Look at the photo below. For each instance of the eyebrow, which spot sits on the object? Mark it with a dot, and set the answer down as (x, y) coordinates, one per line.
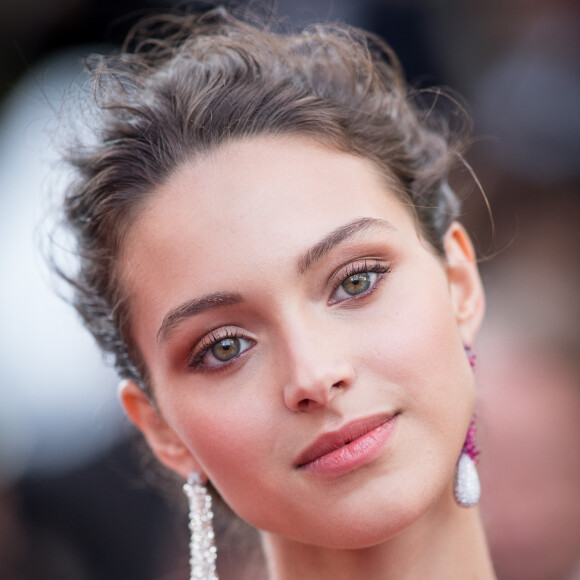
(196, 306)
(337, 237)
(193, 307)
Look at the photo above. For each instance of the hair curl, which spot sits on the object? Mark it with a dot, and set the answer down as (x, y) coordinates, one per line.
(193, 82)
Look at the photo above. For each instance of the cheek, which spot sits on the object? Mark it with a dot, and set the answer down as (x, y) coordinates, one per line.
(416, 351)
(414, 324)
(231, 436)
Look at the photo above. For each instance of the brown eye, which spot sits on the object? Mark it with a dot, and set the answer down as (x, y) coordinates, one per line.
(358, 283)
(226, 349)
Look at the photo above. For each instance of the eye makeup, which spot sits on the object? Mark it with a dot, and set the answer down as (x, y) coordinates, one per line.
(226, 345)
(219, 348)
(357, 280)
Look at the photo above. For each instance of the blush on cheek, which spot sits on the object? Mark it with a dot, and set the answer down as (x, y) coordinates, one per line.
(225, 438)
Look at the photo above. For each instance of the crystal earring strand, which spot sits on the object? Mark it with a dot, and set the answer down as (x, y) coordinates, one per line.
(202, 549)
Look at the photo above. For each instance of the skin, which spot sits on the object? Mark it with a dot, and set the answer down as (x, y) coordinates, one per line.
(241, 220)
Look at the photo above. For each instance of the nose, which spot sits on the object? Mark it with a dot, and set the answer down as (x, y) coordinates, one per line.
(318, 369)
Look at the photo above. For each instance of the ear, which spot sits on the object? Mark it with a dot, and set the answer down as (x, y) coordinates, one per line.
(164, 442)
(464, 282)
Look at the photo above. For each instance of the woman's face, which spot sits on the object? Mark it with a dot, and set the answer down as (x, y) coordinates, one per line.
(285, 306)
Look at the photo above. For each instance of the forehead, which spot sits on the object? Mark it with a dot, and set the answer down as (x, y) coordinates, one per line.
(249, 204)
(267, 186)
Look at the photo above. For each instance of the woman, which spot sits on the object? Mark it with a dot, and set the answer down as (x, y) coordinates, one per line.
(268, 247)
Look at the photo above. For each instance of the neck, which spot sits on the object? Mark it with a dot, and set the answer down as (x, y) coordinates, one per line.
(437, 546)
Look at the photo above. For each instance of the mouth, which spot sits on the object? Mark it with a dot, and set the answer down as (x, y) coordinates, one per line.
(356, 443)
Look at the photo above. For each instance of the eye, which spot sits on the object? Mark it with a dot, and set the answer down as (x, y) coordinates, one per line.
(226, 349)
(217, 350)
(360, 279)
(358, 283)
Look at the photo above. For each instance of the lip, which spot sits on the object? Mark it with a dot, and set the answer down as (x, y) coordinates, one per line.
(353, 445)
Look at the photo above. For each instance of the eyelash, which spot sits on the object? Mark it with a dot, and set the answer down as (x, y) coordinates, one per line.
(210, 340)
(360, 268)
(196, 357)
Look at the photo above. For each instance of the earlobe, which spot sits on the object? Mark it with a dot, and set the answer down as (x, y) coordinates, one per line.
(164, 442)
(464, 282)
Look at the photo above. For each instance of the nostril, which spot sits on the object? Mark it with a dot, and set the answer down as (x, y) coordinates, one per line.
(312, 387)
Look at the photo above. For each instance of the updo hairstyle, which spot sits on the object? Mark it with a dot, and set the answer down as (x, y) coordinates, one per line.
(191, 83)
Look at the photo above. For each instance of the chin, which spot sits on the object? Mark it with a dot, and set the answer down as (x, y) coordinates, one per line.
(370, 526)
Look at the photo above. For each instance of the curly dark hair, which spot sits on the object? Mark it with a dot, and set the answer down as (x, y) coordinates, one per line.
(190, 83)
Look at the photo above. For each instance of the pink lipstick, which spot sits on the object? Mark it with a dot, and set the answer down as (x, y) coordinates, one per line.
(353, 445)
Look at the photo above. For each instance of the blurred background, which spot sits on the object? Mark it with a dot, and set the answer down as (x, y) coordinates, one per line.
(74, 501)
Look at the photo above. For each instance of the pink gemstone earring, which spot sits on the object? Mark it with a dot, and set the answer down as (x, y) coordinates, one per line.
(471, 357)
(467, 488)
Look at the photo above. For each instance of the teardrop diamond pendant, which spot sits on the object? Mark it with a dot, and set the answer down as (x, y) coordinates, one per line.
(466, 486)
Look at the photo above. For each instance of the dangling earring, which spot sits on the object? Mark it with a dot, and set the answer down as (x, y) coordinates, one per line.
(202, 549)
(466, 487)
